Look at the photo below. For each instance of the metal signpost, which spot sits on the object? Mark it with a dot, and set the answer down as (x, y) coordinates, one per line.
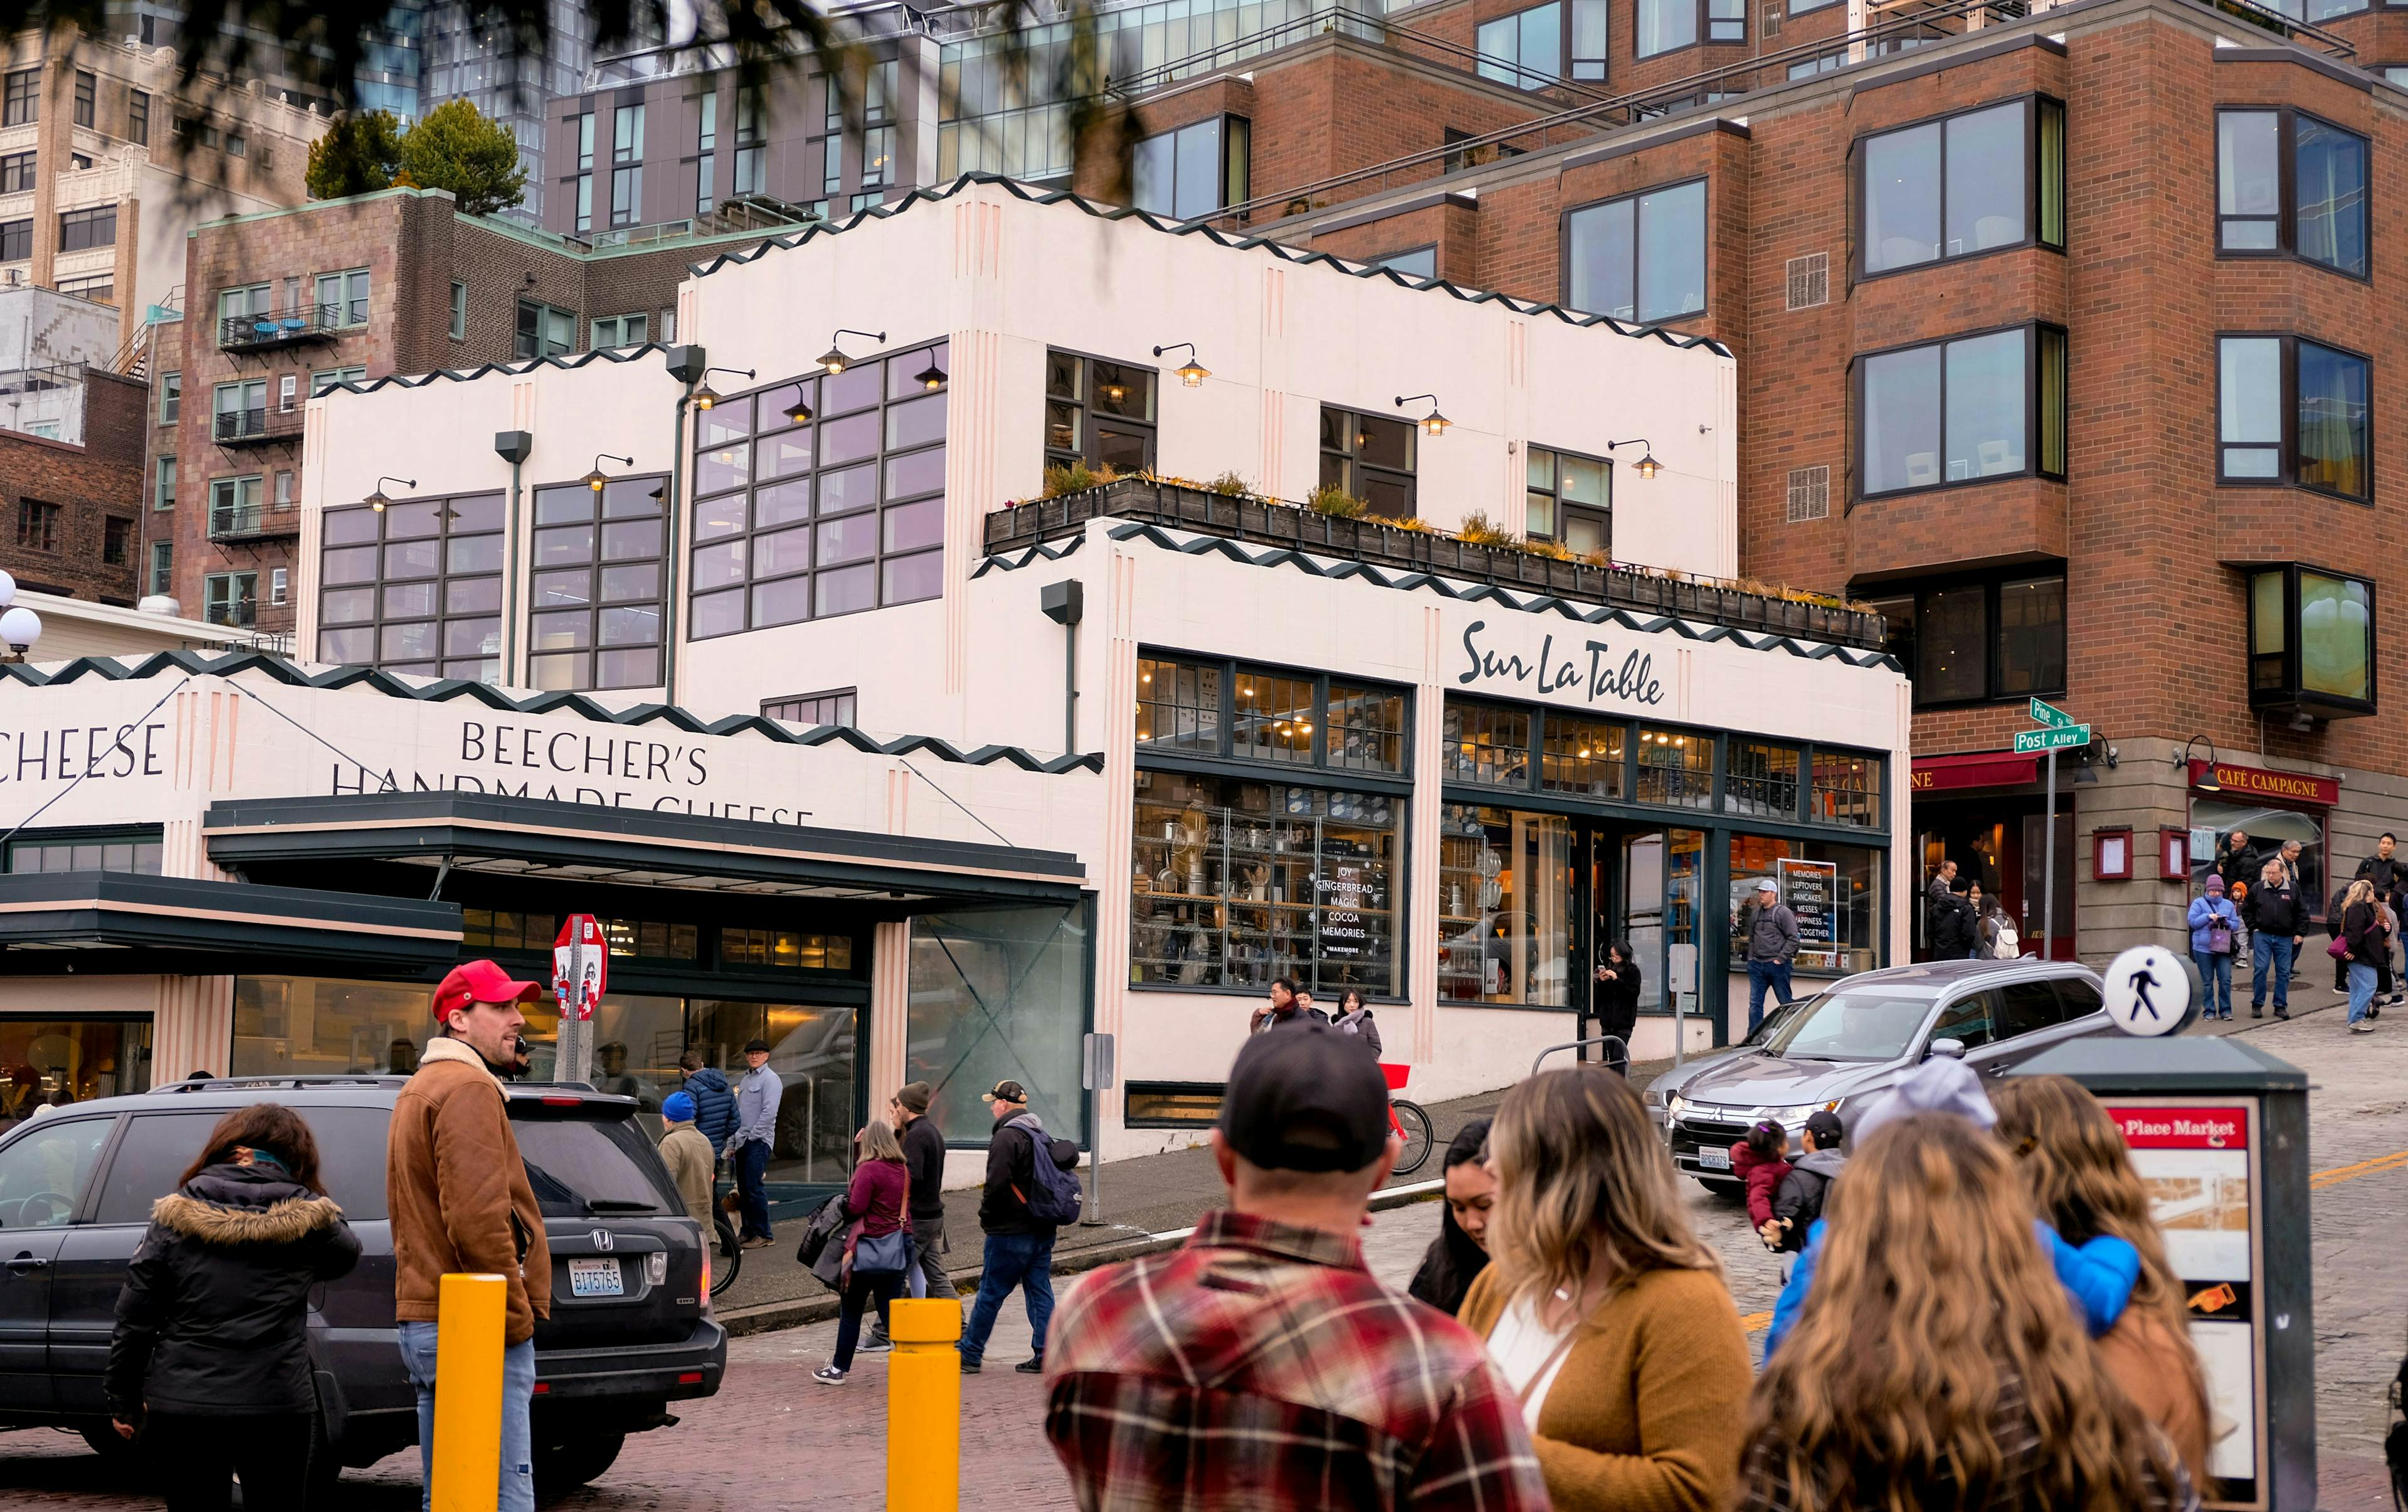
(580, 966)
(1096, 1071)
(2058, 731)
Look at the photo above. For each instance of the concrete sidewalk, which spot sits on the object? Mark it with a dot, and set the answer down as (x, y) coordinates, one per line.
(1144, 1197)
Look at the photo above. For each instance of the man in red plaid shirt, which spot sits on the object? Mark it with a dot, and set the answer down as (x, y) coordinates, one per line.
(1260, 1365)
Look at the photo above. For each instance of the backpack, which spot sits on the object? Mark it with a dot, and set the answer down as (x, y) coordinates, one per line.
(1056, 1196)
(2009, 945)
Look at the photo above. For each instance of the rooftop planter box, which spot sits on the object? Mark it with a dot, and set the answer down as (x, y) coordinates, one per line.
(1377, 544)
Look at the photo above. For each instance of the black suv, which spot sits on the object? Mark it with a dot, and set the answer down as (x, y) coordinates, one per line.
(631, 1334)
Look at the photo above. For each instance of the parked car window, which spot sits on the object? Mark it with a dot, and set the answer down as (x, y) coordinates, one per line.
(2080, 995)
(579, 1168)
(43, 1174)
(149, 1159)
(1868, 1023)
(351, 1158)
(2028, 1006)
(1966, 1021)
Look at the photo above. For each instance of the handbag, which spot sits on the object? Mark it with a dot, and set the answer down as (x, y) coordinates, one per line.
(2219, 937)
(888, 1254)
(2339, 949)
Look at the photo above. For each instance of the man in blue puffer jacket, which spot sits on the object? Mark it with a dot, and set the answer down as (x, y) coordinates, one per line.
(2098, 1276)
(714, 1101)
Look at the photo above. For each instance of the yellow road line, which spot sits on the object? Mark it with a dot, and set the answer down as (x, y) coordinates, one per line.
(2363, 1168)
(1753, 1322)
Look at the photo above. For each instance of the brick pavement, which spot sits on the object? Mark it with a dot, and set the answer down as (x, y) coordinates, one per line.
(825, 1445)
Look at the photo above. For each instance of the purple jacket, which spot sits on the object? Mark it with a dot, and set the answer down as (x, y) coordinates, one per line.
(875, 1199)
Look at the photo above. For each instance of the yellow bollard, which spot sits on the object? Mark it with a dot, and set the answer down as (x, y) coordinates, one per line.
(468, 1461)
(923, 1407)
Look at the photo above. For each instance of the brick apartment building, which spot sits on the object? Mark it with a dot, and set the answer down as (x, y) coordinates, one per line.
(70, 509)
(285, 303)
(2087, 417)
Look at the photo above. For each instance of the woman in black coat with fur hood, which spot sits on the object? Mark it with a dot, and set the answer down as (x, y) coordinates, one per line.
(211, 1360)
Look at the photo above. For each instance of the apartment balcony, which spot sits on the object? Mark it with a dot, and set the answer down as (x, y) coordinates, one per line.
(230, 523)
(1375, 543)
(292, 328)
(256, 428)
(241, 612)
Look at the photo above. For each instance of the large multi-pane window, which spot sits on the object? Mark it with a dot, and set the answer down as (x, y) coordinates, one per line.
(1834, 892)
(240, 408)
(133, 849)
(822, 496)
(15, 173)
(1505, 925)
(230, 598)
(234, 507)
(80, 230)
(16, 240)
(1570, 500)
(1098, 412)
(594, 599)
(1241, 879)
(1640, 257)
(2288, 184)
(627, 165)
(2293, 410)
(1667, 25)
(87, 89)
(1529, 48)
(414, 587)
(544, 331)
(343, 297)
(1370, 457)
(162, 566)
(1964, 410)
(582, 185)
(2311, 643)
(1963, 185)
(1981, 639)
(706, 147)
(21, 98)
(1194, 170)
(836, 706)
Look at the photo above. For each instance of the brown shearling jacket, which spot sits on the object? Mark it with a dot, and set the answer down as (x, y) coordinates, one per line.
(457, 1190)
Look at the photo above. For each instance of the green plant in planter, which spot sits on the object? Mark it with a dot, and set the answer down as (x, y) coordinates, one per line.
(1076, 477)
(1229, 485)
(1478, 530)
(1337, 503)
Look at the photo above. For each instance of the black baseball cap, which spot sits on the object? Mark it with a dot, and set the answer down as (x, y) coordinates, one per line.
(1825, 1126)
(1008, 1092)
(1306, 1098)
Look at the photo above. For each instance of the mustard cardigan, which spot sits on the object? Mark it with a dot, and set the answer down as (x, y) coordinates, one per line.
(1648, 1411)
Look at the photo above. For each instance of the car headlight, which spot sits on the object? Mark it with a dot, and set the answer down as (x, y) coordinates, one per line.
(1674, 1104)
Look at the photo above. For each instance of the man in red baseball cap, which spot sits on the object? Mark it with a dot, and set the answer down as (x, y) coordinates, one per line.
(458, 1194)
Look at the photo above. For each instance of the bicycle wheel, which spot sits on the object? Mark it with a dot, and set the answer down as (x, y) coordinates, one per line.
(729, 1258)
(1414, 1122)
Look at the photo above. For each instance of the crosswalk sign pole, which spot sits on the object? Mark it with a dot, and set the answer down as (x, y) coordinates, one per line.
(2048, 877)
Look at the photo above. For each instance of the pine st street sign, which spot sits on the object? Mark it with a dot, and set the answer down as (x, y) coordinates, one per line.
(2049, 716)
(2063, 738)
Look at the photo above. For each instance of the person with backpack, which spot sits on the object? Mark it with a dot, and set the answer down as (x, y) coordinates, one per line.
(1798, 1203)
(2214, 923)
(1030, 1192)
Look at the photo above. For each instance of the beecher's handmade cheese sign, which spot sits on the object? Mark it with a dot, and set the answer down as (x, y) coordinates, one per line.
(2257, 782)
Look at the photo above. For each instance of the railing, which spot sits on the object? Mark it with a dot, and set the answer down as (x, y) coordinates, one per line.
(274, 328)
(238, 611)
(1345, 20)
(256, 428)
(253, 522)
(1620, 585)
(1907, 27)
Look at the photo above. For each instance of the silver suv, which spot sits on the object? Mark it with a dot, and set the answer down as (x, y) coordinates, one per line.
(1838, 1048)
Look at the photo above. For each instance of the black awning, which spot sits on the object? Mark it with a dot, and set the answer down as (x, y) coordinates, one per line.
(119, 922)
(494, 833)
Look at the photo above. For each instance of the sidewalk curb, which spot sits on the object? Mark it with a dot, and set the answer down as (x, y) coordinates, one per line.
(772, 1316)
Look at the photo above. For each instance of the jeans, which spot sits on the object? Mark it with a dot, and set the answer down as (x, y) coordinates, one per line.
(2361, 989)
(2216, 982)
(1024, 1260)
(1761, 974)
(751, 1163)
(859, 1293)
(518, 1435)
(2277, 948)
(928, 1275)
(270, 1451)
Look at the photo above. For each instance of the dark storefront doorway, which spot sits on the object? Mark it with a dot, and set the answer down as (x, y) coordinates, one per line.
(1998, 840)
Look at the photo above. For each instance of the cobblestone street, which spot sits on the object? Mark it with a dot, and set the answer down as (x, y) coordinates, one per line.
(774, 1438)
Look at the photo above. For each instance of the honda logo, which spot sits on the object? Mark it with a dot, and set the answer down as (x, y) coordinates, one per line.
(602, 1239)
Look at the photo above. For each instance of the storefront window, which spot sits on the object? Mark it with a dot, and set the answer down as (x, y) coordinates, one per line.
(999, 994)
(811, 1049)
(2214, 820)
(1179, 706)
(1675, 768)
(1847, 789)
(1238, 882)
(636, 1043)
(1486, 743)
(58, 1062)
(1834, 891)
(308, 1026)
(1263, 713)
(137, 852)
(1505, 907)
(1583, 757)
(785, 948)
(1762, 780)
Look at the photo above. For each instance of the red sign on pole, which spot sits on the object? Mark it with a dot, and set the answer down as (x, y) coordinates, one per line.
(580, 964)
